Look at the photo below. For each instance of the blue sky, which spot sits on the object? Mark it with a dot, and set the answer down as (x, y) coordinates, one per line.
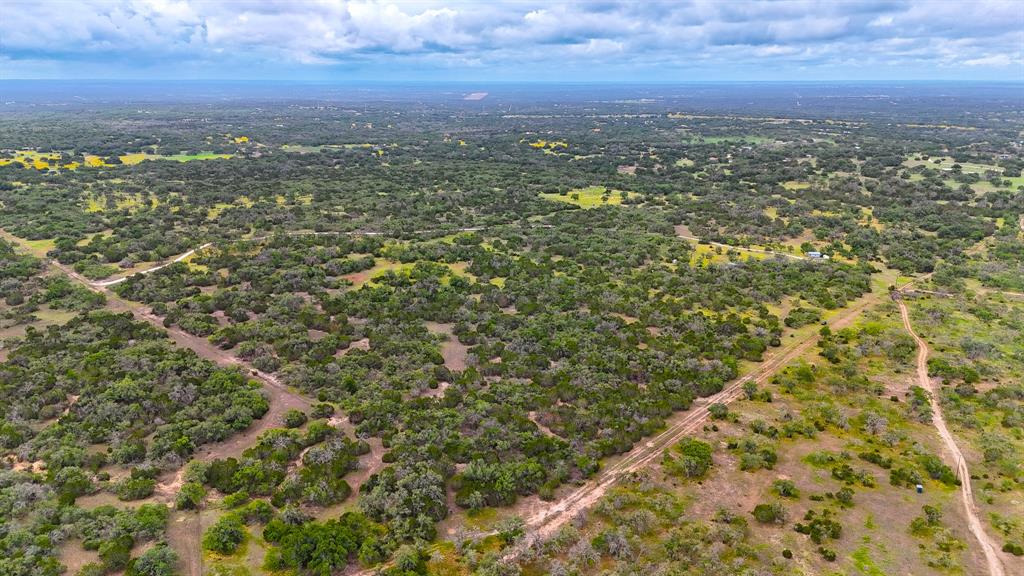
(522, 40)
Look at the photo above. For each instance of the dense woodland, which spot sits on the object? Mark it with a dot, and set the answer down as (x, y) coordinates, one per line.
(497, 300)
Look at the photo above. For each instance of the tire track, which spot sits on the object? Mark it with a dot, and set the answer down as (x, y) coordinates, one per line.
(988, 546)
(546, 522)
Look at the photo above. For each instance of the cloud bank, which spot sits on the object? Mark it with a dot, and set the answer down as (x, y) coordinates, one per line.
(516, 40)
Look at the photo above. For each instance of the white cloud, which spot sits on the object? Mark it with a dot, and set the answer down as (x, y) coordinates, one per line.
(255, 34)
(997, 60)
(882, 21)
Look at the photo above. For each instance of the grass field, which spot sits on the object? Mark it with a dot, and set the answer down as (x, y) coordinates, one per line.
(946, 163)
(93, 161)
(39, 248)
(131, 202)
(37, 160)
(794, 185)
(590, 197)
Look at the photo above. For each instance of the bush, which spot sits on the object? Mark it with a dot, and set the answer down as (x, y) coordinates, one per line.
(92, 569)
(845, 497)
(135, 488)
(235, 499)
(1013, 548)
(323, 548)
(226, 535)
(937, 470)
(511, 529)
(160, 560)
(257, 511)
(801, 316)
(820, 525)
(694, 459)
(190, 497)
(132, 450)
(294, 418)
(905, 477)
(322, 410)
(116, 553)
(718, 411)
(785, 488)
(770, 513)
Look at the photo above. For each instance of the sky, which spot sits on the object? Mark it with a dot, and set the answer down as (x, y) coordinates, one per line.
(522, 40)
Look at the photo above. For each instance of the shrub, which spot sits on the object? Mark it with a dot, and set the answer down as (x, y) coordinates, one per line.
(770, 513)
(694, 459)
(257, 511)
(135, 488)
(820, 525)
(324, 548)
(294, 418)
(190, 496)
(937, 470)
(226, 535)
(801, 316)
(785, 488)
(116, 553)
(322, 410)
(160, 560)
(718, 411)
(235, 499)
(845, 497)
(905, 477)
(511, 529)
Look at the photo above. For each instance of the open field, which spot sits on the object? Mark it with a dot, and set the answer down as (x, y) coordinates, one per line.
(591, 197)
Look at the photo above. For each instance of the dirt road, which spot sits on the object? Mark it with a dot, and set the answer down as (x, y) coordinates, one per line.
(988, 546)
(184, 530)
(548, 520)
(179, 258)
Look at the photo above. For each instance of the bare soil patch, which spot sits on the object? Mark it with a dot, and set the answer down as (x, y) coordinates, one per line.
(455, 353)
(532, 415)
(362, 344)
(74, 557)
(184, 532)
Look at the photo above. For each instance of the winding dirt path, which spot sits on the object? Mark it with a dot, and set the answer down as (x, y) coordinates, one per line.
(184, 530)
(179, 258)
(988, 546)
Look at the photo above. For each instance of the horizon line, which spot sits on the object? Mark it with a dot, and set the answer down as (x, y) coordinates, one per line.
(521, 82)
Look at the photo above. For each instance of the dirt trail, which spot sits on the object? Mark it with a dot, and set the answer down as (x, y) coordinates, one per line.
(184, 256)
(184, 530)
(281, 397)
(547, 521)
(988, 546)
